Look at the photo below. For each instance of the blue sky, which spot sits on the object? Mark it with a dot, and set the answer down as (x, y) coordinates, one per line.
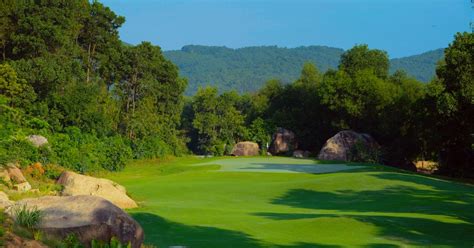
(401, 27)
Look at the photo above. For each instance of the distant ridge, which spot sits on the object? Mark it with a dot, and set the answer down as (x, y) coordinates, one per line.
(421, 66)
(247, 69)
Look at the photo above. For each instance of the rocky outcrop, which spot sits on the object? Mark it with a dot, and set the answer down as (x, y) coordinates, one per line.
(37, 140)
(4, 200)
(87, 217)
(301, 154)
(283, 141)
(245, 148)
(13, 176)
(75, 184)
(339, 146)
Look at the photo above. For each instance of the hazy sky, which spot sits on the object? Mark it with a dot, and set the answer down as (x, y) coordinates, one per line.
(401, 27)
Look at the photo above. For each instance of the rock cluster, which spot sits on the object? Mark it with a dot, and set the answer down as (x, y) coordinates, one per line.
(10, 174)
(283, 141)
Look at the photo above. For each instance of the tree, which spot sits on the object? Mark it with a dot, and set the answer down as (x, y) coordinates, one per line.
(217, 121)
(454, 103)
(99, 37)
(150, 93)
(17, 90)
(360, 58)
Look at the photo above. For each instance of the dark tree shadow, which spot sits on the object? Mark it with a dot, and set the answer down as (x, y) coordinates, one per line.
(380, 208)
(165, 233)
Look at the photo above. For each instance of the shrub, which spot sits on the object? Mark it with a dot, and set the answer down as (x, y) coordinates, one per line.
(53, 171)
(150, 147)
(35, 170)
(19, 150)
(27, 217)
(114, 243)
(361, 152)
(115, 153)
(71, 241)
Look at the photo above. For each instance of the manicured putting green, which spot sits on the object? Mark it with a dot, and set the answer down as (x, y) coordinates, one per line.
(198, 207)
(277, 165)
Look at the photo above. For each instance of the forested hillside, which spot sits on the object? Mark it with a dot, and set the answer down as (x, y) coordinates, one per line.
(422, 66)
(246, 69)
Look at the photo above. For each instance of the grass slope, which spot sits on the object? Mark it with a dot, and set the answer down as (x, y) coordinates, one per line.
(200, 206)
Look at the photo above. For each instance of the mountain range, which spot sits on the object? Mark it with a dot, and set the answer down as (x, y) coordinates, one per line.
(247, 69)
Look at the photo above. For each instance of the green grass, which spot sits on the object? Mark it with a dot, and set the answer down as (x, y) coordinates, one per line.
(373, 206)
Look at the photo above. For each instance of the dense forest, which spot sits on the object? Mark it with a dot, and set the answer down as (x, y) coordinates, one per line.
(65, 74)
(247, 69)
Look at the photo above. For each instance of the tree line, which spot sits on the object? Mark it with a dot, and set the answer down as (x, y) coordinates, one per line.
(66, 74)
(411, 120)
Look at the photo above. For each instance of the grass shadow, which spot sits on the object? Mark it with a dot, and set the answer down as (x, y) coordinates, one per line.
(435, 213)
(165, 233)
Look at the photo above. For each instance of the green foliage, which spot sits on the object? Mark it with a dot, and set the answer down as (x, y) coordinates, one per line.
(113, 243)
(260, 132)
(27, 217)
(451, 108)
(21, 151)
(360, 58)
(247, 69)
(71, 241)
(360, 152)
(217, 121)
(85, 152)
(66, 75)
(150, 147)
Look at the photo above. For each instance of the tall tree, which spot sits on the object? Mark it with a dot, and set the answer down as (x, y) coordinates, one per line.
(455, 107)
(360, 58)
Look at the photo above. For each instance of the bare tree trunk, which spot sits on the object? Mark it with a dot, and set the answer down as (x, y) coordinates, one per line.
(88, 62)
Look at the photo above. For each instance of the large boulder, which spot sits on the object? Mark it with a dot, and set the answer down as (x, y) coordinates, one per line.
(340, 145)
(245, 148)
(87, 217)
(37, 140)
(283, 141)
(75, 184)
(15, 174)
(4, 200)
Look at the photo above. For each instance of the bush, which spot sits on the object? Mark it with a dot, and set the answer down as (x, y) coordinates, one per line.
(27, 217)
(52, 171)
(114, 243)
(150, 147)
(361, 152)
(115, 153)
(19, 151)
(86, 152)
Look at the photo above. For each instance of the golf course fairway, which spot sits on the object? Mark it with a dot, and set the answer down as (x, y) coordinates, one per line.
(286, 202)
